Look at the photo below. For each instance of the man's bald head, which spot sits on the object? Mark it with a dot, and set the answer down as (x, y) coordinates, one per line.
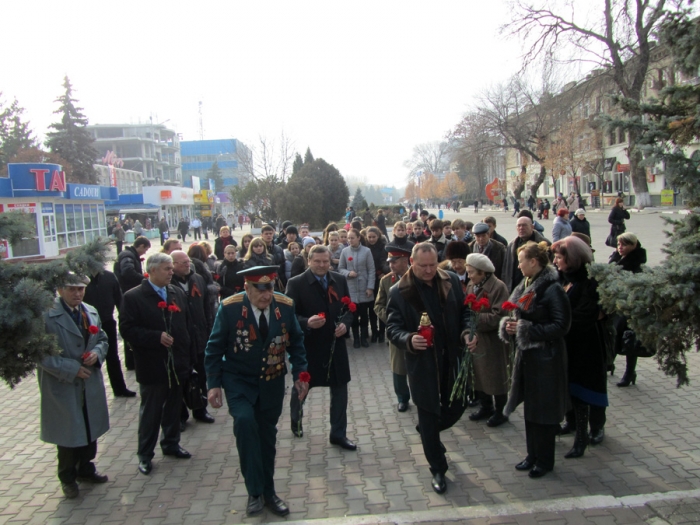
(525, 227)
(181, 262)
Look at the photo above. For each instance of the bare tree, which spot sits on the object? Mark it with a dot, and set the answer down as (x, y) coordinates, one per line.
(429, 157)
(269, 159)
(619, 40)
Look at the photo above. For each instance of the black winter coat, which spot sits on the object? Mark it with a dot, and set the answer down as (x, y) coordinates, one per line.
(200, 312)
(617, 218)
(633, 261)
(584, 345)
(309, 300)
(581, 226)
(425, 367)
(128, 269)
(141, 324)
(540, 369)
(104, 294)
(231, 283)
(381, 267)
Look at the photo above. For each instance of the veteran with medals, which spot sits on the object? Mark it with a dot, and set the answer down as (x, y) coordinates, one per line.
(245, 356)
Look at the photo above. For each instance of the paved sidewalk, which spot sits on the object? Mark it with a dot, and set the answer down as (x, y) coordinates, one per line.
(651, 451)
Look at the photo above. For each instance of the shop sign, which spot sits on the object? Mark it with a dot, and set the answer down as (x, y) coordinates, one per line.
(84, 191)
(26, 207)
(166, 194)
(666, 197)
(623, 168)
(46, 207)
(36, 178)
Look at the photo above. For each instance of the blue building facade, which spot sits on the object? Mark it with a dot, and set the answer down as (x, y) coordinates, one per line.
(198, 156)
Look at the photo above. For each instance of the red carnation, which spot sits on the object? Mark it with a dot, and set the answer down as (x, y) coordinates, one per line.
(481, 304)
(93, 329)
(469, 299)
(346, 300)
(173, 308)
(216, 276)
(349, 258)
(85, 355)
(143, 259)
(162, 305)
(304, 377)
(322, 315)
(352, 307)
(145, 275)
(508, 306)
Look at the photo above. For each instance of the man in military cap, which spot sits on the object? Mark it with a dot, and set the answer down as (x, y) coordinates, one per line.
(245, 356)
(398, 263)
(73, 401)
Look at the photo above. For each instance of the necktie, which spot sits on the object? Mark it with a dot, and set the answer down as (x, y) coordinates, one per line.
(324, 283)
(163, 294)
(262, 325)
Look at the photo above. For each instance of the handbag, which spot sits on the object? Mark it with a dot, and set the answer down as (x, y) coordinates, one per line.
(633, 347)
(192, 393)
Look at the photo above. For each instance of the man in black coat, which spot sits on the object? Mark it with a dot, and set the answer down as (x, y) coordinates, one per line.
(129, 272)
(425, 288)
(320, 291)
(104, 294)
(154, 320)
(197, 294)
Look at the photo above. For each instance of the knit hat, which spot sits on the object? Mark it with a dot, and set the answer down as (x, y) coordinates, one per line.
(480, 262)
(292, 229)
(580, 211)
(308, 240)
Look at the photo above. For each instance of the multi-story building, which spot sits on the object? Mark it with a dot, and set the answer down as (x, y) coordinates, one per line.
(580, 154)
(128, 182)
(198, 156)
(152, 149)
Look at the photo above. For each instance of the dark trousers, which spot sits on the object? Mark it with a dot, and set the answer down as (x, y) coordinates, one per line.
(202, 380)
(339, 410)
(256, 433)
(360, 320)
(540, 444)
(160, 408)
(162, 238)
(487, 401)
(197, 233)
(183, 234)
(114, 366)
(76, 461)
(431, 425)
(403, 394)
(120, 245)
(128, 357)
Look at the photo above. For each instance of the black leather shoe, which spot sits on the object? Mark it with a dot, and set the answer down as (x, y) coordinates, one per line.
(402, 407)
(344, 443)
(145, 467)
(497, 420)
(125, 393)
(276, 505)
(205, 418)
(537, 472)
(439, 483)
(482, 413)
(356, 343)
(597, 436)
(179, 453)
(93, 478)
(70, 490)
(524, 465)
(255, 505)
(364, 342)
(298, 430)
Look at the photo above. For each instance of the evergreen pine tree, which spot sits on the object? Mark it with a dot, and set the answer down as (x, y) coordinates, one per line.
(308, 157)
(663, 303)
(216, 175)
(15, 134)
(358, 201)
(27, 290)
(298, 164)
(71, 140)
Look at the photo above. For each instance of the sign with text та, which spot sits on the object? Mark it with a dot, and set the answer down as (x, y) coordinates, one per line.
(34, 179)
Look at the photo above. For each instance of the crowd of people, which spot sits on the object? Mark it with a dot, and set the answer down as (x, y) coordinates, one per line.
(198, 321)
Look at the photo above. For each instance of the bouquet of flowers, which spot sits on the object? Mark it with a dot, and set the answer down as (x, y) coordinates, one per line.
(348, 306)
(170, 364)
(510, 308)
(465, 374)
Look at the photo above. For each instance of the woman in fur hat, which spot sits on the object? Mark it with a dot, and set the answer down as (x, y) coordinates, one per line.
(543, 318)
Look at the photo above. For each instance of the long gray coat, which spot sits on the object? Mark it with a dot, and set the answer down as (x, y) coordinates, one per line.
(363, 264)
(62, 392)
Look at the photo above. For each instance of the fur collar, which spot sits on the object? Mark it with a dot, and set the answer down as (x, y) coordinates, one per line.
(408, 290)
(548, 276)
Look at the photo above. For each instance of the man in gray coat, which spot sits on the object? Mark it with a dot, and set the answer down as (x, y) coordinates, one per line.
(73, 400)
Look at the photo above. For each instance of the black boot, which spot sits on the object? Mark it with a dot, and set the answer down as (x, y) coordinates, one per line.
(364, 338)
(486, 409)
(627, 379)
(581, 439)
(356, 337)
(375, 337)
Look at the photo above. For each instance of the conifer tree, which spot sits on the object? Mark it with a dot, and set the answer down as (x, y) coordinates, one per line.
(298, 164)
(663, 303)
(15, 134)
(308, 157)
(215, 175)
(71, 140)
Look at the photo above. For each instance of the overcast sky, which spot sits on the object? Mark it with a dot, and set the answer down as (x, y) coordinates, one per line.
(360, 82)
